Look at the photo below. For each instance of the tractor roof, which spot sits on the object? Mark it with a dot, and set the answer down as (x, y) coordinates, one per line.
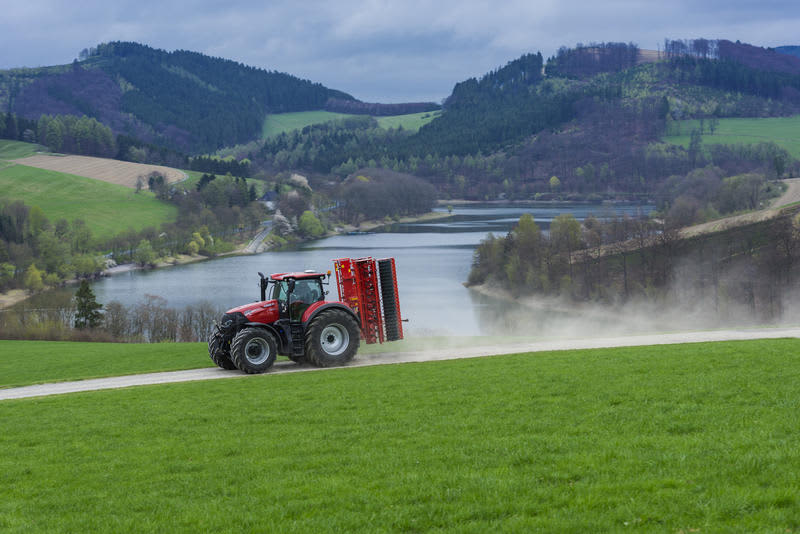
(296, 275)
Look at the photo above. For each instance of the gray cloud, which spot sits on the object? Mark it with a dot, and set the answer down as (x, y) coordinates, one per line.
(379, 50)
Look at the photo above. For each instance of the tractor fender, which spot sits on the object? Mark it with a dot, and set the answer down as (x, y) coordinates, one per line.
(319, 307)
(271, 329)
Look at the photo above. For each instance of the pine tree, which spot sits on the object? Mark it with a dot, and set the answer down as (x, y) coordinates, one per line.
(88, 314)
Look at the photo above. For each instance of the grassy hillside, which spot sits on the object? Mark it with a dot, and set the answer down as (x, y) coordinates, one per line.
(17, 149)
(783, 131)
(411, 122)
(278, 123)
(286, 122)
(692, 438)
(106, 208)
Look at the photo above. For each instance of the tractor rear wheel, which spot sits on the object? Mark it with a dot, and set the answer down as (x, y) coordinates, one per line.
(253, 350)
(219, 353)
(332, 338)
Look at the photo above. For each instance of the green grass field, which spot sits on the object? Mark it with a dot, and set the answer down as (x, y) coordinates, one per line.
(36, 362)
(279, 123)
(286, 122)
(686, 438)
(411, 122)
(783, 131)
(106, 208)
(17, 149)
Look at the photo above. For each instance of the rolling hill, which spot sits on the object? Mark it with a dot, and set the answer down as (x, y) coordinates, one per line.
(181, 99)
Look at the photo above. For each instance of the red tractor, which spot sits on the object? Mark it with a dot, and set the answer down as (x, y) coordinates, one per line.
(294, 319)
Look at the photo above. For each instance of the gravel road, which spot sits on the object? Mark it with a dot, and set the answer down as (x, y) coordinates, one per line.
(212, 373)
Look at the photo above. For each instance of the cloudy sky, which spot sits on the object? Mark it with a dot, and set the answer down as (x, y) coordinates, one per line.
(379, 50)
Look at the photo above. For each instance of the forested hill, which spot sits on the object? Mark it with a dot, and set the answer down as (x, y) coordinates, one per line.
(183, 99)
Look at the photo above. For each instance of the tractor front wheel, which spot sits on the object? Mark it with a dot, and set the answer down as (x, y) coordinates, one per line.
(218, 351)
(253, 350)
(332, 338)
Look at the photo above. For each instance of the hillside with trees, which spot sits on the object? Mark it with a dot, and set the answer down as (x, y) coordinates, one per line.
(182, 99)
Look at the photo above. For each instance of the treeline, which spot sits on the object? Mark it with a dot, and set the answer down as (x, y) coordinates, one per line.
(751, 269)
(130, 148)
(734, 76)
(357, 107)
(215, 165)
(322, 147)
(17, 128)
(528, 261)
(76, 135)
(585, 61)
(35, 253)
(700, 48)
(374, 194)
(149, 321)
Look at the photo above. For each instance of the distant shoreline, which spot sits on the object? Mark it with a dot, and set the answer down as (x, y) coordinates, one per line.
(15, 296)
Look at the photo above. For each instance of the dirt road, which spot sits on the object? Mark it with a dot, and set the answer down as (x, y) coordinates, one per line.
(212, 373)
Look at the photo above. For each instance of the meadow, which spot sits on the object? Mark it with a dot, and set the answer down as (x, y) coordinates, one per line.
(286, 122)
(106, 208)
(783, 131)
(17, 149)
(682, 438)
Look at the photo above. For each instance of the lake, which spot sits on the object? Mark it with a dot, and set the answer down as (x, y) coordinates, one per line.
(433, 261)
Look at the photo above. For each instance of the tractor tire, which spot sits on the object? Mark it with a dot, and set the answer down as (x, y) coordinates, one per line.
(332, 338)
(253, 350)
(219, 353)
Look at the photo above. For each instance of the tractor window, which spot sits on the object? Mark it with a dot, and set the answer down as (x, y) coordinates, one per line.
(279, 291)
(306, 292)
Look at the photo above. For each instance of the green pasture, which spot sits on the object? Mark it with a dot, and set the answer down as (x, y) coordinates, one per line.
(783, 131)
(17, 149)
(682, 438)
(286, 122)
(35, 362)
(279, 123)
(107, 208)
(411, 122)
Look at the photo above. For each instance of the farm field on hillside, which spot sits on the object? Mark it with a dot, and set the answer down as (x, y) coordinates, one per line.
(106, 208)
(412, 121)
(783, 131)
(692, 438)
(108, 170)
(286, 122)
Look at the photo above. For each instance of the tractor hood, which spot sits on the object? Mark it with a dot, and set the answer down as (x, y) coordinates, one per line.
(254, 307)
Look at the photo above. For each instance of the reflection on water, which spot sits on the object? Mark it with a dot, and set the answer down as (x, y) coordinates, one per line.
(433, 260)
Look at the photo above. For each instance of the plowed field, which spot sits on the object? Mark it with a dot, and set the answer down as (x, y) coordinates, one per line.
(108, 170)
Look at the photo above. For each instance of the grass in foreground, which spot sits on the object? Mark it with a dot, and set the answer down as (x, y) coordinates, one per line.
(783, 131)
(698, 437)
(37, 362)
(107, 208)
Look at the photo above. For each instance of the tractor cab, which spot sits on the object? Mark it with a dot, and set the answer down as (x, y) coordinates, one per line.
(296, 292)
